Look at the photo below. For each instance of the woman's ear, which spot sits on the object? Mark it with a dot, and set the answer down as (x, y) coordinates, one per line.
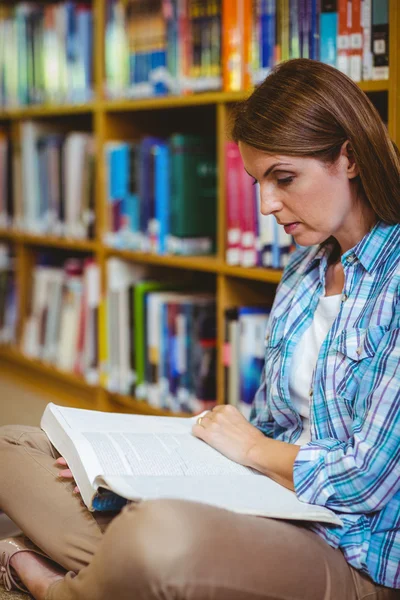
(351, 165)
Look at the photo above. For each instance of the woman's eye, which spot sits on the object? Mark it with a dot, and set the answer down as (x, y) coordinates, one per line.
(285, 180)
(254, 182)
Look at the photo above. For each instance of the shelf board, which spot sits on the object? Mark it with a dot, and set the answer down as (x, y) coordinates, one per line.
(140, 407)
(48, 240)
(198, 263)
(56, 242)
(157, 102)
(374, 86)
(255, 273)
(160, 102)
(8, 234)
(47, 110)
(12, 354)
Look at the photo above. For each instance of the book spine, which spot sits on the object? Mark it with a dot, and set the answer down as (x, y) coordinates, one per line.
(294, 38)
(343, 52)
(329, 32)
(232, 48)
(366, 7)
(356, 42)
(380, 39)
(233, 164)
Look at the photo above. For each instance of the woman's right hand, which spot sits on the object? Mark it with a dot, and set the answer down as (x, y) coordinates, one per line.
(65, 473)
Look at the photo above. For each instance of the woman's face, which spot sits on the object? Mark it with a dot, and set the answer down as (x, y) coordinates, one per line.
(311, 200)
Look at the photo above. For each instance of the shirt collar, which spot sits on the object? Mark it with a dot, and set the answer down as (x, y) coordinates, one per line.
(376, 246)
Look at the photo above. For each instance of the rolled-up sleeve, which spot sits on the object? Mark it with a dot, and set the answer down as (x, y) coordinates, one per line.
(362, 474)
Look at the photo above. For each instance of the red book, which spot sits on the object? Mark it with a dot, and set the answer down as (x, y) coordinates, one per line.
(248, 220)
(234, 165)
(344, 29)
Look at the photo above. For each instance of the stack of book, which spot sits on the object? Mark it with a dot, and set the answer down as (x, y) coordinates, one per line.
(159, 342)
(244, 354)
(162, 46)
(62, 326)
(8, 296)
(162, 195)
(253, 239)
(45, 53)
(53, 175)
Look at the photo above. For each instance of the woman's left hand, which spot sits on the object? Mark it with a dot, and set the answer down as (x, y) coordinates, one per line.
(226, 429)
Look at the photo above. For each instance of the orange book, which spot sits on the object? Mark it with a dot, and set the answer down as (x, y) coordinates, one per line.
(236, 44)
(344, 29)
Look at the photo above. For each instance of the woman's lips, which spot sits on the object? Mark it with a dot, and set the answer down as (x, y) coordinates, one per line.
(290, 227)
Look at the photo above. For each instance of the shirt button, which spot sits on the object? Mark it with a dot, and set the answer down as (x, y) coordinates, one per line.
(310, 393)
(359, 350)
(344, 297)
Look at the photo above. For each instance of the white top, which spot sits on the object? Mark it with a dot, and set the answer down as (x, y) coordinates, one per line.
(305, 358)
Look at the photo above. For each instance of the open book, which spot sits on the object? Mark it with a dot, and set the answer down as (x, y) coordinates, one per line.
(114, 457)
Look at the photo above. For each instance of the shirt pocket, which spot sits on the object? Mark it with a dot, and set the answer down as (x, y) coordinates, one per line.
(273, 347)
(355, 349)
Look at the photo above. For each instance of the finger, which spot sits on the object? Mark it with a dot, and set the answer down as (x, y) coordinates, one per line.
(76, 490)
(61, 461)
(66, 474)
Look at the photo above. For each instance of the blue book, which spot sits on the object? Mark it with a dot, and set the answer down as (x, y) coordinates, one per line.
(147, 189)
(162, 194)
(314, 31)
(84, 24)
(132, 203)
(328, 32)
(252, 326)
(268, 35)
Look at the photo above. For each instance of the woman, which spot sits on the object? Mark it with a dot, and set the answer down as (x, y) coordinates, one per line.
(325, 418)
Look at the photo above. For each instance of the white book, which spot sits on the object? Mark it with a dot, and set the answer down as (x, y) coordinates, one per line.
(74, 161)
(144, 457)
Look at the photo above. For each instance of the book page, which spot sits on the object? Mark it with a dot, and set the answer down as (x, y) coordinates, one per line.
(249, 493)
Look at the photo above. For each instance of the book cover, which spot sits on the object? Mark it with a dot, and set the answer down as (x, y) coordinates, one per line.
(193, 176)
(328, 32)
(380, 39)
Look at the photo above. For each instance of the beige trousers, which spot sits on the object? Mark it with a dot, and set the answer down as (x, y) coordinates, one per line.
(165, 549)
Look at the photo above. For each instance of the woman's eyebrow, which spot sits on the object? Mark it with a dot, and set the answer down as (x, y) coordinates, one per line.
(268, 171)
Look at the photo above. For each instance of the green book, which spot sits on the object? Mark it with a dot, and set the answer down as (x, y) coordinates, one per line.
(193, 206)
(140, 290)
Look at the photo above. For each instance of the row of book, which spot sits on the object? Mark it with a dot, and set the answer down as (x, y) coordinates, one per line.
(46, 53)
(47, 181)
(182, 46)
(62, 324)
(352, 35)
(154, 340)
(162, 194)
(252, 239)
(243, 354)
(160, 340)
(8, 296)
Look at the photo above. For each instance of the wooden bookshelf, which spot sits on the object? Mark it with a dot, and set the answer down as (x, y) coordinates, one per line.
(116, 119)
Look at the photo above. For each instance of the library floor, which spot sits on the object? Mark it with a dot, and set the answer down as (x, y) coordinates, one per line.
(18, 405)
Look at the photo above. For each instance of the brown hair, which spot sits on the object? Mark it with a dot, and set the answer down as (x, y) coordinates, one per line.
(307, 108)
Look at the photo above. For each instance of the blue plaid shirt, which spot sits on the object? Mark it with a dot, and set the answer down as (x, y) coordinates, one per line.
(352, 463)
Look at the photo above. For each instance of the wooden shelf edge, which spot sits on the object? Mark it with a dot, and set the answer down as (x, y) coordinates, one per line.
(198, 263)
(47, 110)
(140, 407)
(13, 355)
(153, 103)
(48, 240)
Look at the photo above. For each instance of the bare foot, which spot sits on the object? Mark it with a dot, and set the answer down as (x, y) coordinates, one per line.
(36, 572)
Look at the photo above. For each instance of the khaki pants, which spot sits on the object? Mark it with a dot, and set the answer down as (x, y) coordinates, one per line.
(165, 549)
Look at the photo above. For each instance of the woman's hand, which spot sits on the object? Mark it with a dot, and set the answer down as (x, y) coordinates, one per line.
(65, 473)
(226, 429)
